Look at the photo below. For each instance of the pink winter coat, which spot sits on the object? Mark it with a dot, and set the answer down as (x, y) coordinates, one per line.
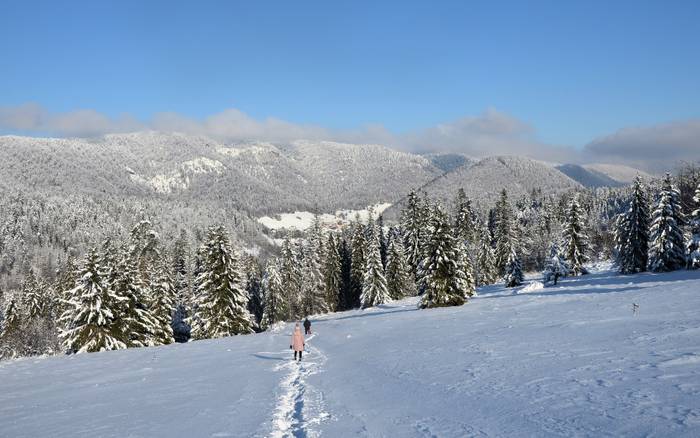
(298, 340)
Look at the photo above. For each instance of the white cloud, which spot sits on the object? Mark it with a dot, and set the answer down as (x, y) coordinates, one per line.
(491, 133)
(655, 148)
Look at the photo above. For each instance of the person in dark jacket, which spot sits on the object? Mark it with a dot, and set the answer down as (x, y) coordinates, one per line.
(307, 326)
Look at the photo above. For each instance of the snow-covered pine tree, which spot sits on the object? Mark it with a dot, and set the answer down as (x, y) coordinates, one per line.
(486, 270)
(632, 233)
(555, 267)
(465, 225)
(11, 343)
(442, 279)
(135, 323)
(181, 283)
(291, 278)
(313, 288)
(346, 301)
(514, 273)
(90, 323)
(374, 289)
(412, 224)
(666, 251)
(33, 296)
(465, 269)
(222, 307)
(575, 238)
(505, 233)
(253, 274)
(383, 241)
(399, 279)
(358, 262)
(332, 274)
(163, 305)
(693, 247)
(275, 301)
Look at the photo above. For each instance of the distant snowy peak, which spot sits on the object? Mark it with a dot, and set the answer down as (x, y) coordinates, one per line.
(602, 175)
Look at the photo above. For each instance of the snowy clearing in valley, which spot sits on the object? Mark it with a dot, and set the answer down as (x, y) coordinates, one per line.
(570, 360)
(302, 220)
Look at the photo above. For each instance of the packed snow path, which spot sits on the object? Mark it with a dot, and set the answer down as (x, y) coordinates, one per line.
(571, 360)
(299, 406)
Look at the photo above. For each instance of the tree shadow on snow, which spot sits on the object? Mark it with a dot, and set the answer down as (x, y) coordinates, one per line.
(366, 314)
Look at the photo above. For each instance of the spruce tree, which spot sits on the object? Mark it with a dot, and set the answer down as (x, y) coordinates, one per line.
(486, 270)
(632, 233)
(693, 247)
(275, 301)
(163, 305)
(555, 267)
(465, 218)
(291, 278)
(90, 324)
(383, 241)
(332, 274)
(398, 274)
(313, 287)
(505, 233)
(514, 273)
(667, 252)
(11, 342)
(412, 223)
(465, 269)
(222, 307)
(442, 279)
(374, 289)
(575, 238)
(346, 301)
(181, 283)
(357, 270)
(33, 296)
(135, 323)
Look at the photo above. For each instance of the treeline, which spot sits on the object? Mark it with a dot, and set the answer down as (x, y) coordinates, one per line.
(145, 290)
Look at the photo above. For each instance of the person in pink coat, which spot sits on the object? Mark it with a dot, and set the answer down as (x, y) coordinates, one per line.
(297, 341)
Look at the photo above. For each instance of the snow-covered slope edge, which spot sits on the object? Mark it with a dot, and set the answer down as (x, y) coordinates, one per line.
(571, 360)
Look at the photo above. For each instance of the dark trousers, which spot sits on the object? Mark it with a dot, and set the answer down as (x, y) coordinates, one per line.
(307, 330)
(295, 355)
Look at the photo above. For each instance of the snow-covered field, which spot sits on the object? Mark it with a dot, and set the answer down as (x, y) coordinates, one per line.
(302, 220)
(571, 360)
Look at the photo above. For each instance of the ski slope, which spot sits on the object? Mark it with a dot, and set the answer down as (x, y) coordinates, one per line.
(571, 360)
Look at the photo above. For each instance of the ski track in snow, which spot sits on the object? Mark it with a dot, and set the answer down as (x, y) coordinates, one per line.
(299, 405)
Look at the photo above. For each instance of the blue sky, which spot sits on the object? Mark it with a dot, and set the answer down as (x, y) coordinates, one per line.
(573, 71)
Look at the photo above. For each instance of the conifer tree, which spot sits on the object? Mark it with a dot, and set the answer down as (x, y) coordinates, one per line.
(135, 323)
(275, 308)
(442, 279)
(575, 238)
(222, 307)
(666, 251)
(693, 247)
(33, 296)
(181, 284)
(465, 269)
(332, 274)
(465, 218)
(163, 305)
(90, 324)
(346, 300)
(555, 267)
(383, 241)
(398, 275)
(358, 262)
(374, 289)
(632, 233)
(486, 271)
(514, 273)
(313, 288)
(505, 233)
(253, 275)
(412, 224)
(291, 278)
(11, 342)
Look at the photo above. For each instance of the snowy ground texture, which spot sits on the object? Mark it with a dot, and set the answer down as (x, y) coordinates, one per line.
(567, 361)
